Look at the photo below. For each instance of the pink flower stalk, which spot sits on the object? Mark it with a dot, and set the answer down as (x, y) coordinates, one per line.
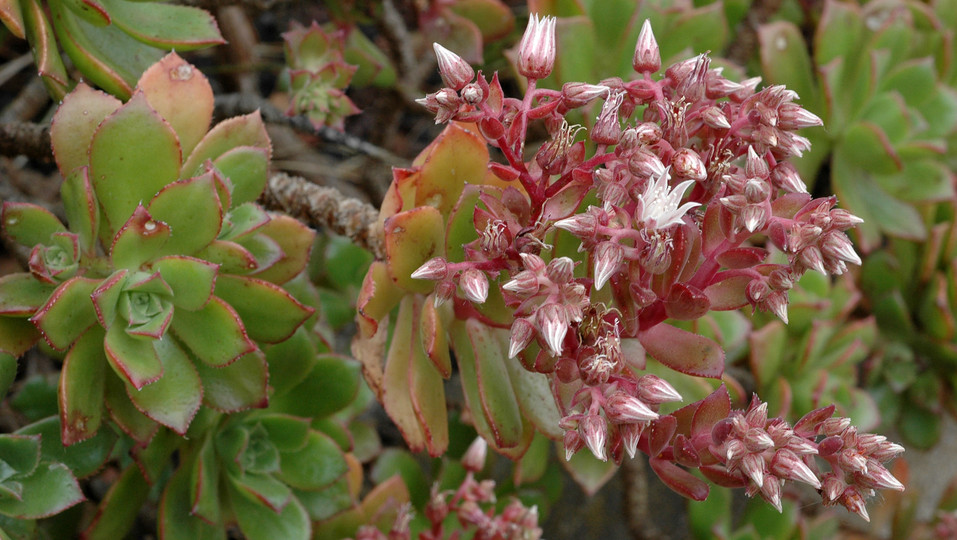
(536, 51)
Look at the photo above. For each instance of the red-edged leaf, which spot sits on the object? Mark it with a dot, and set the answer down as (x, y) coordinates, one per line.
(807, 425)
(50, 489)
(22, 295)
(81, 388)
(721, 476)
(178, 518)
(215, 333)
(68, 312)
(269, 313)
(174, 398)
(247, 167)
(728, 294)
(686, 302)
(231, 257)
(130, 420)
(81, 207)
(203, 487)
(132, 358)
(139, 240)
(295, 240)
(46, 56)
(28, 224)
(411, 239)
(679, 480)
(238, 386)
(17, 336)
(711, 410)
(118, 510)
(659, 434)
(683, 351)
(74, 123)
(247, 130)
(165, 84)
(193, 212)
(191, 280)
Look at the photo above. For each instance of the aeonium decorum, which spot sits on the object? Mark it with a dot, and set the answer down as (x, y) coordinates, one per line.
(186, 280)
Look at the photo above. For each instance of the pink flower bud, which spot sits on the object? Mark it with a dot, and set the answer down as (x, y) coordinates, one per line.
(630, 435)
(842, 219)
(525, 283)
(854, 502)
(755, 166)
(786, 177)
(757, 415)
(623, 408)
(887, 451)
(836, 244)
(811, 258)
(777, 303)
(645, 164)
(433, 269)
(573, 443)
(607, 129)
(455, 71)
(560, 270)
(734, 450)
(788, 466)
(878, 477)
(581, 225)
(532, 262)
(595, 432)
(793, 116)
(832, 487)
(687, 163)
(653, 389)
(536, 51)
(578, 94)
(734, 203)
(647, 55)
(757, 440)
(714, 118)
(752, 465)
(755, 216)
(648, 132)
(474, 458)
(780, 279)
(472, 94)
(553, 323)
(834, 425)
(474, 284)
(608, 257)
(771, 492)
(851, 460)
(757, 290)
(444, 291)
(522, 333)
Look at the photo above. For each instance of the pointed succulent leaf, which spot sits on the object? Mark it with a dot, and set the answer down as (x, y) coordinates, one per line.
(84, 458)
(710, 411)
(247, 167)
(260, 456)
(165, 26)
(17, 336)
(679, 480)
(179, 516)
(82, 209)
(413, 394)
(89, 10)
(28, 224)
(126, 416)
(22, 294)
(785, 60)
(81, 387)
(139, 240)
(231, 257)
(192, 210)
(50, 489)
(203, 487)
(74, 123)
(290, 362)
(8, 371)
(215, 333)
(46, 55)
(191, 280)
(21, 453)
(243, 219)
(269, 313)
(589, 472)
(263, 488)
(728, 294)
(11, 17)
(117, 511)
(435, 341)
(289, 433)
(481, 354)
(181, 95)
(260, 522)
(411, 239)
(265, 250)
(295, 240)
(107, 295)
(247, 130)
(535, 399)
(683, 351)
(238, 386)
(126, 174)
(457, 157)
(334, 381)
(377, 296)
(132, 358)
(173, 399)
(68, 312)
(106, 55)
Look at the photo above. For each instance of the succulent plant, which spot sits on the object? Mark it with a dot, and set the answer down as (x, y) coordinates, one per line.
(111, 42)
(169, 274)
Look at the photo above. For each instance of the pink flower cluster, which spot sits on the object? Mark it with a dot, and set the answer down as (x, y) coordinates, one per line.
(693, 190)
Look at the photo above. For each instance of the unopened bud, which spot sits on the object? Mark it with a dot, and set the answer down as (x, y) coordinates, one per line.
(433, 269)
(653, 389)
(786, 177)
(645, 164)
(474, 458)
(623, 408)
(455, 71)
(522, 333)
(648, 132)
(647, 57)
(811, 258)
(793, 116)
(525, 283)
(788, 466)
(595, 432)
(607, 129)
(687, 163)
(553, 323)
(474, 284)
(630, 435)
(573, 443)
(843, 220)
(752, 465)
(443, 292)
(714, 118)
(472, 94)
(854, 501)
(608, 258)
(532, 262)
(560, 270)
(581, 225)
(755, 216)
(536, 51)
(578, 94)
(836, 244)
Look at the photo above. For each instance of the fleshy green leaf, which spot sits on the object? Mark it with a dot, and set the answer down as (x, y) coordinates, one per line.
(683, 351)
(174, 398)
(289, 433)
(17, 335)
(245, 130)
(192, 210)
(68, 312)
(290, 362)
(117, 512)
(231, 257)
(46, 56)
(181, 95)
(81, 387)
(165, 26)
(125, 174)
(73, 126)
(295, 240)
(258, 522)
(411, 239)
(50, 489)
(263, 488)
(214, 334)
(81, 207)
(21, 294)
(126, 416)
(317, 465)
(139, 240)
(203, 494)
(269, 313)
(238, 386)
(333, 383)
(247, 168)
(83, 458)
(178, 517)
(28, 224)
(20, 453)
(190, 279)
(134, 359)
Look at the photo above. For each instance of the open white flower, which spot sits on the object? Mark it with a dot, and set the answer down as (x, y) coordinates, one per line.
(658, 206)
